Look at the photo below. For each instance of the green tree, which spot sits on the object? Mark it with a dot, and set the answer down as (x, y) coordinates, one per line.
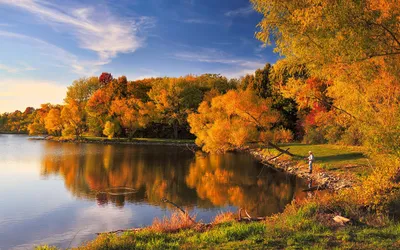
(175, 98)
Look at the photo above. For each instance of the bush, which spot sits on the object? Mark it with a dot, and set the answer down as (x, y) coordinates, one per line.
(313, 136)
(283, 135)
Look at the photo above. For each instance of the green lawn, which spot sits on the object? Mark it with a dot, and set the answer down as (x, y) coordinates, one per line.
(331, 157)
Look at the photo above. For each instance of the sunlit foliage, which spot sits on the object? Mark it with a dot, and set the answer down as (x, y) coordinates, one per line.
(233, 120)
(355, 46)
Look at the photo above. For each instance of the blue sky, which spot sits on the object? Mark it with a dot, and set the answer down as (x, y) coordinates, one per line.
(45, 45)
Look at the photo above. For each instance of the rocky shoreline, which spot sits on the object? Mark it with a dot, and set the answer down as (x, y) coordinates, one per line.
(323, 179)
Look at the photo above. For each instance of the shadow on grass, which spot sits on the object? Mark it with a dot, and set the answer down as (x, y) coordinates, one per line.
(341, 157)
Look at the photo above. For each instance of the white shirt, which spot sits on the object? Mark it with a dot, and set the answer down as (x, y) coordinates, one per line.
(311, 158)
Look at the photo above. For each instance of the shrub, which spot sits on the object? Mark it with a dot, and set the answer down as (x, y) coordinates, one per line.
(283, 135)
(175, 222)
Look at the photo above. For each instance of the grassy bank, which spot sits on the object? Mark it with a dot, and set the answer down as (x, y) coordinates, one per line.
(301, 227)
(352, 161)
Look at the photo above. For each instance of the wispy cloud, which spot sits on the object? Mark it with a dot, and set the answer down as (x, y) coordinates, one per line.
(95, 29)
(13, 70)
(8, 69)
(239, 66)
(244, 11)
(198, 21)
(61, 56)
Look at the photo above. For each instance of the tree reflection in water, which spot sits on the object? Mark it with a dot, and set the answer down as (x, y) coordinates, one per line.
(156, 172)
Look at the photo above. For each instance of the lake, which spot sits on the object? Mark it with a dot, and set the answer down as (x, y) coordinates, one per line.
(63, 193)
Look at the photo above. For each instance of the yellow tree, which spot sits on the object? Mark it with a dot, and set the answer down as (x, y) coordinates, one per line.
(53, 122)
(97, 108)
(355, 45)
(37, 126)
(232, 121)
(132, 114)
(73, 117)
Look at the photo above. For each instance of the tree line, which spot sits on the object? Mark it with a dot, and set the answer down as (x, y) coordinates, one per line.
(278, 103)
(165, 107)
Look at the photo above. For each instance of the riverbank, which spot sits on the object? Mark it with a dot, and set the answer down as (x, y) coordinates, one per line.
(126, 141)
(335, 167)
(299, 227)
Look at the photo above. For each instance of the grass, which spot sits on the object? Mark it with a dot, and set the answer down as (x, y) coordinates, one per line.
(334, 158)
(297, 228)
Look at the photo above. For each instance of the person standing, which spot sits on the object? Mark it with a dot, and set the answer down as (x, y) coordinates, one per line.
(310, 161)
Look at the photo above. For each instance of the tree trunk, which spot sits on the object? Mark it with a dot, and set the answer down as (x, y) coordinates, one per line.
(175, 127)
(279, 149)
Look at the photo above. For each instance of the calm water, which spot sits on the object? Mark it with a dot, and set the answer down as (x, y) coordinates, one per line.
(52, 192)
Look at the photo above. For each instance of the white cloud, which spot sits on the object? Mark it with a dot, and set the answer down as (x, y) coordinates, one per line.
(244, 11)
(19, 94)
(239, 67)
(96, 30)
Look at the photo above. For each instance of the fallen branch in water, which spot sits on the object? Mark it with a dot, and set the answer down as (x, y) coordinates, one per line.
(248, 218)
(198, 226)
(181, 209)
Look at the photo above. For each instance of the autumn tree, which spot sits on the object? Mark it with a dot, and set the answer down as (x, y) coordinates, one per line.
(132, 114)
(353, 44)
(105, 78)
(74, 120)
(82, 89)
(259, 82)
(233, 121)
(138, 89)
(174, 99)
(111, 129)
(53, 122)
(74, 113)
(37, 126)
(98, 108)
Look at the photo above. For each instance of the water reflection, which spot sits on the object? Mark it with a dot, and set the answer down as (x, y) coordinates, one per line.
(232, 180)
(89, 169)
(155, 172)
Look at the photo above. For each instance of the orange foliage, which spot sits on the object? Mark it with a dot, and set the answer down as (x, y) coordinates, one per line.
(232, 120)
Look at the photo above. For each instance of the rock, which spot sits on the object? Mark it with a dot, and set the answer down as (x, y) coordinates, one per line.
(340, 219)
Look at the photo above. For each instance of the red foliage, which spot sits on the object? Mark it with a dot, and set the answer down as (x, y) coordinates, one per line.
(310, 118)
(105, 78)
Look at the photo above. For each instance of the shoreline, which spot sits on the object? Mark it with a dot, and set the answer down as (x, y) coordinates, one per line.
(323, 179)
(122, 141)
